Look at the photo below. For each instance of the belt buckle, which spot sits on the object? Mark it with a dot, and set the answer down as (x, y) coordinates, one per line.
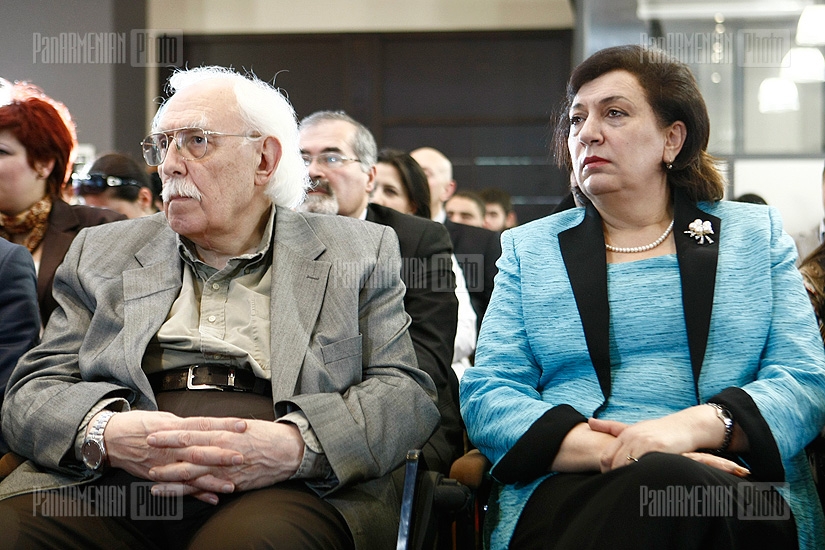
(190, 376)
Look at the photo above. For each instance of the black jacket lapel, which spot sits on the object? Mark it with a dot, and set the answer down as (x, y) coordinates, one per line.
(582, 248)
(697, 270)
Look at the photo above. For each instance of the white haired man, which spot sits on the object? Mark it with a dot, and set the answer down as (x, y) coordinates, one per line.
(251, 358)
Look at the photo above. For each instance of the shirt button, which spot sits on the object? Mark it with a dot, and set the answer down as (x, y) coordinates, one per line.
(216, 286)
(211, 318)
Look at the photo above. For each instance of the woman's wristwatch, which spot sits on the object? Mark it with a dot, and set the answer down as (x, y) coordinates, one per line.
(727, 419)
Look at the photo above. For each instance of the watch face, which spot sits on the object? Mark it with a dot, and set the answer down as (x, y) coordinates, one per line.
(92, 454)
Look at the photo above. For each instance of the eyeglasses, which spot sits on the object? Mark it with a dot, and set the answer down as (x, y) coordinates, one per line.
(328, 160)
(191, 143)
(97, 183)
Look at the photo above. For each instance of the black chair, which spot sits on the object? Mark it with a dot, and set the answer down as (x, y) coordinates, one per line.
(444, 513)
(816, 457)
(429, 502)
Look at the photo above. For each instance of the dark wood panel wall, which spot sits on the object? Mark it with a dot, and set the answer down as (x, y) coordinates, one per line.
(486, 99)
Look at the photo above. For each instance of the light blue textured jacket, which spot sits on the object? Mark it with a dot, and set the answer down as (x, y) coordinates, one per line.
(543, 362)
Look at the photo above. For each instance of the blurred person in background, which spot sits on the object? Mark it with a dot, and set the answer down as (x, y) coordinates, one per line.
(465, 207)
(499, 213)
(117, 182)
(401, 184)
(37, 145)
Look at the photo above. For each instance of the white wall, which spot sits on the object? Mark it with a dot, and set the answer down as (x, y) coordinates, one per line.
(793, 186)
(85, 88)
(291, 16)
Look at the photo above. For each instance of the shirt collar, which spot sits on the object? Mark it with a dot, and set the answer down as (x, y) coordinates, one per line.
(186, 248)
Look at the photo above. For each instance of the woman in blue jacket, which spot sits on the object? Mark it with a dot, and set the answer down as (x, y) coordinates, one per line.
(649, 370)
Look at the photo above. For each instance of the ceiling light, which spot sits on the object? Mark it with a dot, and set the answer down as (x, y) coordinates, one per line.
(803, 65)
(811, 28)
(778, 95)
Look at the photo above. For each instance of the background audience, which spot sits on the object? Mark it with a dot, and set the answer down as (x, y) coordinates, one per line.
(398, 179)
(475, 248)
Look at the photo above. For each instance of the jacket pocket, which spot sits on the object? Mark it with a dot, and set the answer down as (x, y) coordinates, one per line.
(342, 361)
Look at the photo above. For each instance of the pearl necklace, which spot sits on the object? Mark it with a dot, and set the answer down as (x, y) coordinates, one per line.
(645, 248)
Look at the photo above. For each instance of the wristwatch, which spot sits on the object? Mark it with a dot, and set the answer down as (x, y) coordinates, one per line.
(93, 450)
(723, 414)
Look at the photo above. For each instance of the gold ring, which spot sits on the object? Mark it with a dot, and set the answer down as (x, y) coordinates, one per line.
(633, 458)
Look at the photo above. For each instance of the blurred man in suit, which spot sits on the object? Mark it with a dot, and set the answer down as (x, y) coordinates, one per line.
(476, 249)
(340, 154)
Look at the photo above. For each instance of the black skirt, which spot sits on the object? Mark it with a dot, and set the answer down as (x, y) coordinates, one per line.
(665, 501)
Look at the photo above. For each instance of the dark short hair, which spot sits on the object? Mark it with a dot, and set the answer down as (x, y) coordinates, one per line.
(752, 198)
(473, 196)
(122, 166)
(494, 195)
(45, 129)
(412, 177)
(673, 94)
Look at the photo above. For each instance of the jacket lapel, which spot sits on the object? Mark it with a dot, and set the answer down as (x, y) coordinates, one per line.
(697, 270)
(148, 293)
(583, 252)
(299, 281)
(582, 249)
(62, 228)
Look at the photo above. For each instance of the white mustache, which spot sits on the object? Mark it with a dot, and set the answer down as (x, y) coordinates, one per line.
(179, 188)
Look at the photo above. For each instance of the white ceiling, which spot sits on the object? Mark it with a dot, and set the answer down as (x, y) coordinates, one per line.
(730, 9)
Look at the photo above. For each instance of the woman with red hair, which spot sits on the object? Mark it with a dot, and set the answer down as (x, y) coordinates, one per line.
(37, 145)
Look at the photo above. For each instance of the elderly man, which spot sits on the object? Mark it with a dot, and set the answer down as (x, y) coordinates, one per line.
(341, 153)
(249, 357)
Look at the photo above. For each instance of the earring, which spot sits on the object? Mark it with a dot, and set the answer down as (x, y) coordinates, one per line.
(669, 166)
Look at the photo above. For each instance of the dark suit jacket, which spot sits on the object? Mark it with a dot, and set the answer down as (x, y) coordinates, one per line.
(431, 303)
(477, 250)
(19, 318)
(65, 221)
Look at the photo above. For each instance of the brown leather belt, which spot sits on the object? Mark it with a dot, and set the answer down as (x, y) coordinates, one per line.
(210, 377)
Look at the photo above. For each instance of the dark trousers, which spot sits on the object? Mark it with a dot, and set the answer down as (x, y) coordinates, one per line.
(117, 511)
(664, 501)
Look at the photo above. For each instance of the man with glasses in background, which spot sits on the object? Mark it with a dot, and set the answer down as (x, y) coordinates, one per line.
(253, 359)
(340, 154)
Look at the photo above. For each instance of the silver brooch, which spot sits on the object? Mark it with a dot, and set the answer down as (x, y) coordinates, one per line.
(700, 231)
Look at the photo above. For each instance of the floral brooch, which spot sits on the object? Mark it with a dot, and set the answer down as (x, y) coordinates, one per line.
(701, 231)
